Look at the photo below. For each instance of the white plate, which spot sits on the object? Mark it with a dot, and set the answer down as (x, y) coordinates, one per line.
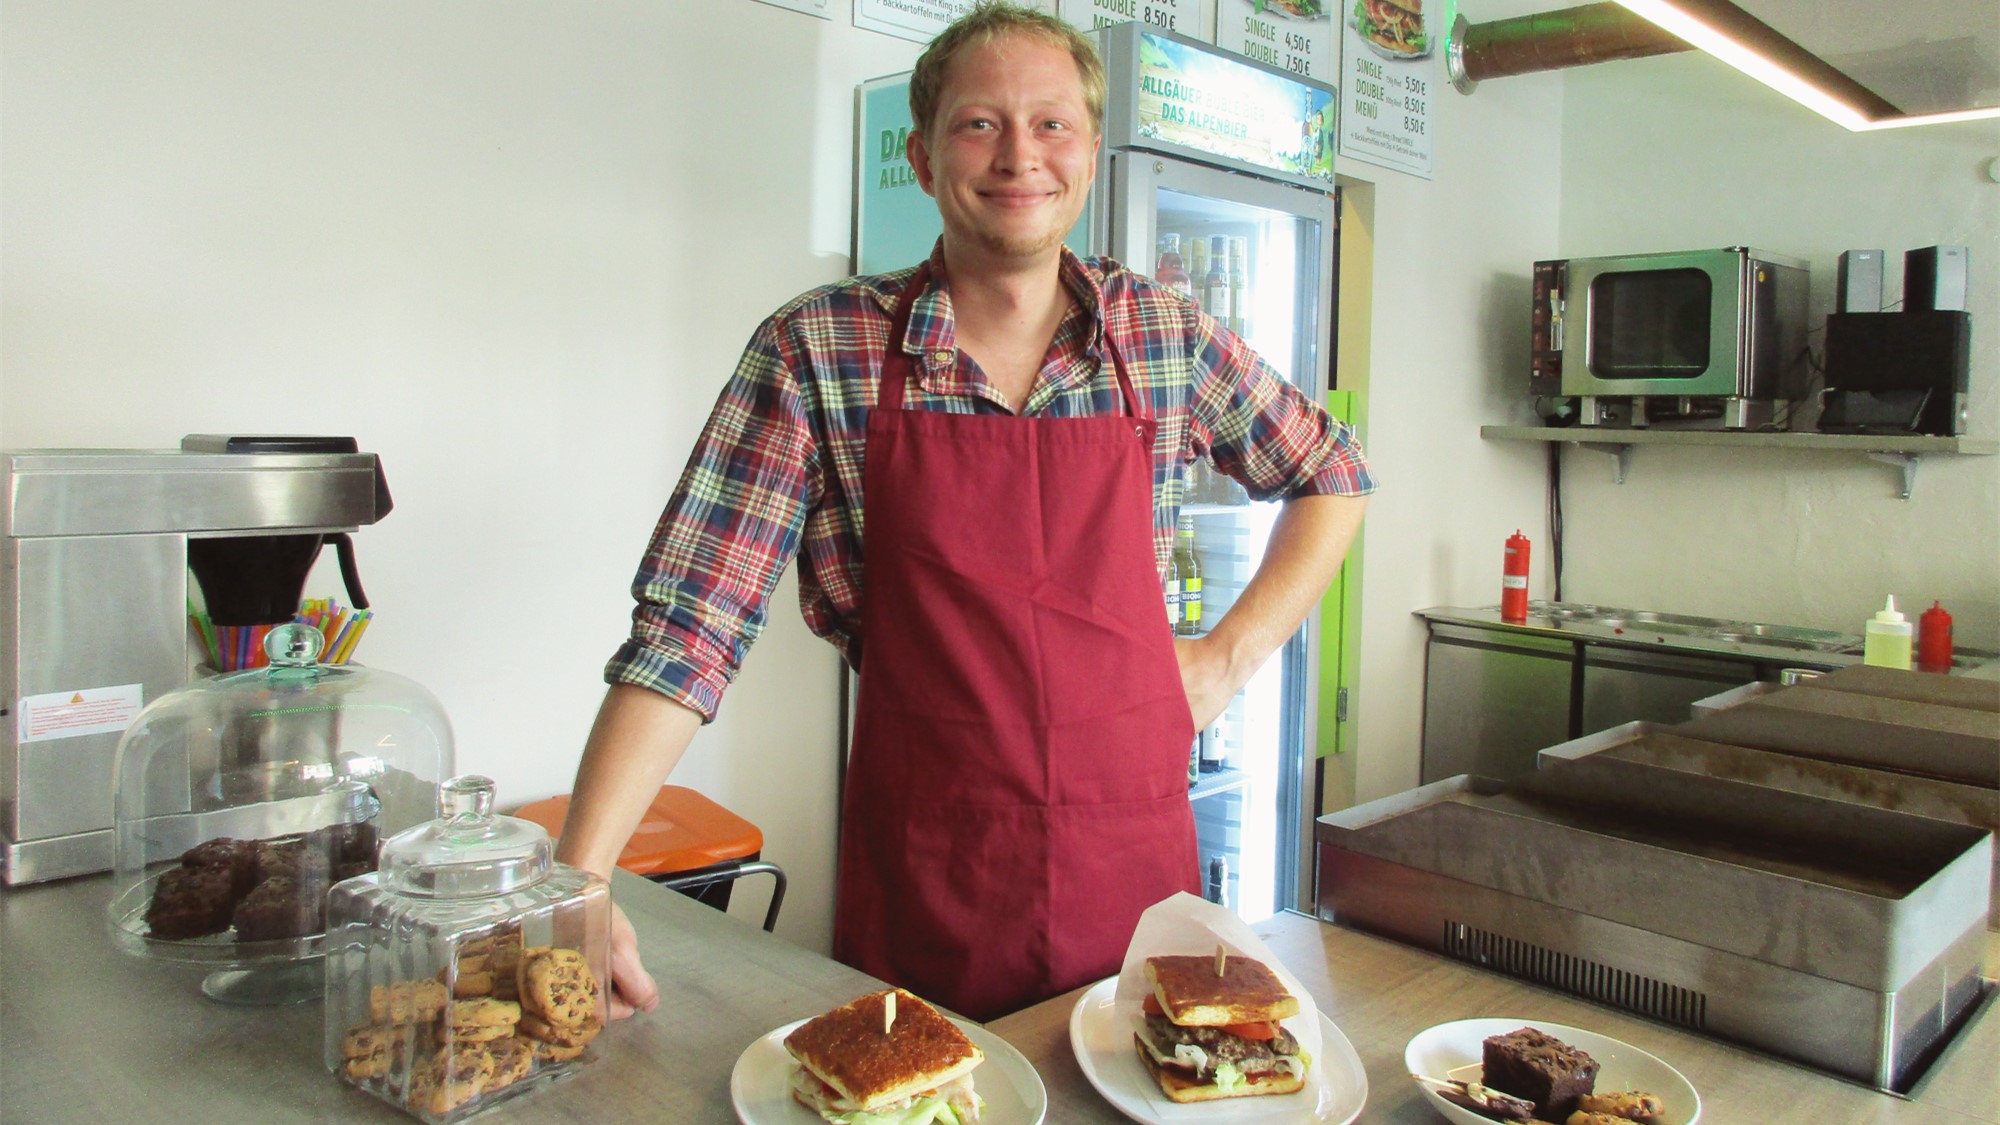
(1448, 1047)
(1336, 1086)
(761, 1084)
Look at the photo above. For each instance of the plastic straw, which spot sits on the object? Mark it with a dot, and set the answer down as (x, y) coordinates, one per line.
(206, 631)
(353, 637)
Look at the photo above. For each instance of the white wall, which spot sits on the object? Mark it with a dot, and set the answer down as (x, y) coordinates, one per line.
(1679, 152)
(1449, 346)
(512, 247)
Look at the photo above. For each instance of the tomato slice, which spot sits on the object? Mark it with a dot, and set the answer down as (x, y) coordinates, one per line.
(1260, 1029)
(1152, 1006)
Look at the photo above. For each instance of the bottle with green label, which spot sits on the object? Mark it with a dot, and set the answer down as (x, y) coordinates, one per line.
(1173, 588)
(1188, 568)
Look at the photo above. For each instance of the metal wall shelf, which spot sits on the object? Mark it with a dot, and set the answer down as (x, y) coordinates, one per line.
(1902, 451)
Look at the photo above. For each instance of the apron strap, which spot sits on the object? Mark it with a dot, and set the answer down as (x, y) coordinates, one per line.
(898, 371)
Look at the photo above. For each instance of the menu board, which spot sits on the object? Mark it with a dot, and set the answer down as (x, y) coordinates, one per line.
(1389, 79)
(1292, 35)
(895, 221)
(1192, 18)
(915, 20)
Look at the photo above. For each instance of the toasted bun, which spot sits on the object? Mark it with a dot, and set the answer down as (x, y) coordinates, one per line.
(847, 1049)
(1193, 996)
(1178, 1087)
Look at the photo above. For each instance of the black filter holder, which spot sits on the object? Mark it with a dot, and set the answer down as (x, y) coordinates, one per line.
(259, 579)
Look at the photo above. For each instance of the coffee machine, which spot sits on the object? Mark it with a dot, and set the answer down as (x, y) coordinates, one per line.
(95, 593)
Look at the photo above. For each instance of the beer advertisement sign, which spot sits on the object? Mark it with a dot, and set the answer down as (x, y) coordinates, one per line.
(1213, 104)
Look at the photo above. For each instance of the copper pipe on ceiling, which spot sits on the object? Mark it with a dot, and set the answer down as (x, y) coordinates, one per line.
(1605, 32)
(1592, 33)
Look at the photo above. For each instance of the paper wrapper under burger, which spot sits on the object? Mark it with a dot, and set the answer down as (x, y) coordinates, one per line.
(1188, 925)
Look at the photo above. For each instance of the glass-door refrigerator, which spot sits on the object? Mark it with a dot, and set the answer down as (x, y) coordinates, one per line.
(1216, 174)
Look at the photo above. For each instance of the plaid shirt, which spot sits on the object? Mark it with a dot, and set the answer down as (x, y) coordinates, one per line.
(777, 470)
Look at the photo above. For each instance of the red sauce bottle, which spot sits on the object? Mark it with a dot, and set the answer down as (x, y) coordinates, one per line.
(1514, 579)
(1934, 640)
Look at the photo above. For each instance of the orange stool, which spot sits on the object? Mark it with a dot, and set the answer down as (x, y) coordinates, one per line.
(687, 842)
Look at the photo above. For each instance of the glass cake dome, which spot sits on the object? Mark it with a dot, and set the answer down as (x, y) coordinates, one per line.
(240, 800)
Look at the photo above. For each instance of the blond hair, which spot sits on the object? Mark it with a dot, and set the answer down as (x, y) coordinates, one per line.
(990, 20)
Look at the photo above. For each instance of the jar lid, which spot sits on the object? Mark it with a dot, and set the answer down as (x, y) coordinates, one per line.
(468, 852)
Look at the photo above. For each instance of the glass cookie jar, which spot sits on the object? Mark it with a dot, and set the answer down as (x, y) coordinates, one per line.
(240, 799)
(467, 969)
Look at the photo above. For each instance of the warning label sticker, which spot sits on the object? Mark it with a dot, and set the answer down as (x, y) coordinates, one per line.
(70, 714)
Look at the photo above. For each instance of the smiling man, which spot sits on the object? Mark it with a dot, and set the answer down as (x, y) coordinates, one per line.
(1013, 420)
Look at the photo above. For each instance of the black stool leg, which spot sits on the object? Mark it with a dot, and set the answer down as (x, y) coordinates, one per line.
(710, 878)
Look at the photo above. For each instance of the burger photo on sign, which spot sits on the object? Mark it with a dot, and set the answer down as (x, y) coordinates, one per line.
(1294, 9)
(1393, 30)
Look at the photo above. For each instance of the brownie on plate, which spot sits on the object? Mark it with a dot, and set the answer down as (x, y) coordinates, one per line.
(1537, 1066)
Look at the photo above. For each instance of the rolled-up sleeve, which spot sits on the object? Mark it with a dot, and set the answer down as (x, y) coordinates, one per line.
(732, 525)
(1263, 431)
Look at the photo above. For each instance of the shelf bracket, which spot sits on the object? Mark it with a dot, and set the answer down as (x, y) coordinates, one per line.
(1621, 450)
(1905, 461)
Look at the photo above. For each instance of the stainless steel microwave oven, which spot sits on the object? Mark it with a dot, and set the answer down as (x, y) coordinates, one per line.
(1700, 337)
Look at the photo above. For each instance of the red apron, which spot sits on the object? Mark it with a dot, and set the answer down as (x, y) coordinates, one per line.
(1017, 790)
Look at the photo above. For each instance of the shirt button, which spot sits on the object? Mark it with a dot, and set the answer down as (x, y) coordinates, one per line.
(940, 358)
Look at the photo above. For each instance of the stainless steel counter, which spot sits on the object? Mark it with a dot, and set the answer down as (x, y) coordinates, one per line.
(1749, 641)
(1496, 692)
(89, 1034)
(1380, 994)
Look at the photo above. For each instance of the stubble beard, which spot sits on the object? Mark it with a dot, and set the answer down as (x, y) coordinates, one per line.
(1019, 246)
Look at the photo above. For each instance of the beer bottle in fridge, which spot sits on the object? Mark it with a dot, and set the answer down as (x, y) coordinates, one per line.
(1215, 285)
(1188, 568)
(1239, 286)
(1173, 590)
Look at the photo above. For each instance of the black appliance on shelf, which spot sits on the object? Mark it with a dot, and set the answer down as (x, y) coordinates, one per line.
(1897, 372)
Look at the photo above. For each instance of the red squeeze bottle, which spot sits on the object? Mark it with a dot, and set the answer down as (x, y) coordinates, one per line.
(1934, 639)
(1514, 579)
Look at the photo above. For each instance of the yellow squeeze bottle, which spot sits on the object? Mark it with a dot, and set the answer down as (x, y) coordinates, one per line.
(1885, 642)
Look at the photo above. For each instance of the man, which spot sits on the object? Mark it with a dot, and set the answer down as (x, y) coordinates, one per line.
(1016, 793)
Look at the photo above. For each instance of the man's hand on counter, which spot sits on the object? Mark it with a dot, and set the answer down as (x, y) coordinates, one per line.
(632, 987)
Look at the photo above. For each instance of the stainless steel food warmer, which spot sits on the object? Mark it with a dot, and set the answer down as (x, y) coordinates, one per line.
(1840, 935)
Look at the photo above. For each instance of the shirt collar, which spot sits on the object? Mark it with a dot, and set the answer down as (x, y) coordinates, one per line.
(931, 339)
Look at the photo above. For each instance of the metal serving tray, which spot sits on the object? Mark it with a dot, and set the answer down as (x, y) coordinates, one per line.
(1932, 739)
(1643, 748)
(1918, 687)
(1836, 934)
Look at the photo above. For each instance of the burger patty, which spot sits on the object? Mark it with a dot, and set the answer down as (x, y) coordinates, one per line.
(1221, 1045)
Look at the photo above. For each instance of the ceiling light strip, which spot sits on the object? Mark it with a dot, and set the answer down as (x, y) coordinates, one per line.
(1748, 44)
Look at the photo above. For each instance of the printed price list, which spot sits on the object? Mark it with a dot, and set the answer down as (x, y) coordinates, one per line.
(1387, 108)
(1301, 47)
(1401, 99)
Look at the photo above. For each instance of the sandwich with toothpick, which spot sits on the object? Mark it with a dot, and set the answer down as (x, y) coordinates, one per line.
(887, 1058)
(1209, 1029)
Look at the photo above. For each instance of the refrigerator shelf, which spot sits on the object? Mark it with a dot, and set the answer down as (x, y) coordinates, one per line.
(1221, 781)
